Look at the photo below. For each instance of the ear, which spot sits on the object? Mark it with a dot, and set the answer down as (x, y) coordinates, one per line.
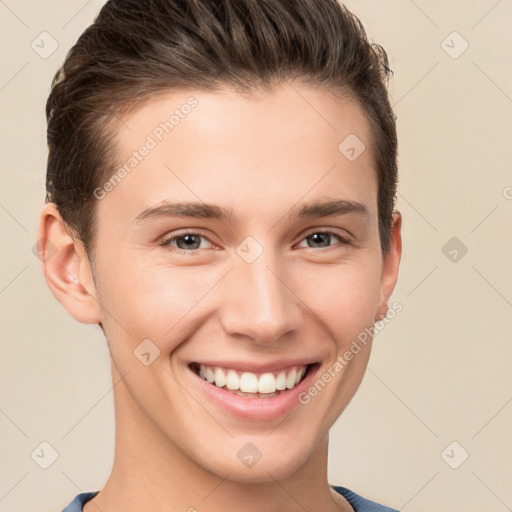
(66, 267)
(390, 266)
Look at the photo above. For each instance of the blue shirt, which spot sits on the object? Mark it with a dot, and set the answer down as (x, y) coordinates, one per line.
(358, 503)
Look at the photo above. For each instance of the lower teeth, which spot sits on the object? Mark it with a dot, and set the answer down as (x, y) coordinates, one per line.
(252, 395)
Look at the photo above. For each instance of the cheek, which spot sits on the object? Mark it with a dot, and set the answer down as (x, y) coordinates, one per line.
(345, 296)
(155, 301)
(165, 303)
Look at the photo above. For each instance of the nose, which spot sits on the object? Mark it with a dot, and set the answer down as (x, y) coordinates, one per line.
(258, 301)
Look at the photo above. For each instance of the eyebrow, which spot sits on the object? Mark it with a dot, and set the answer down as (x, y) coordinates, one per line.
(189, 209)
(211, 211)
(333, 207)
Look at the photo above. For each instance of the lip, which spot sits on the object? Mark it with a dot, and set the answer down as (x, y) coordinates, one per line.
(255, 409)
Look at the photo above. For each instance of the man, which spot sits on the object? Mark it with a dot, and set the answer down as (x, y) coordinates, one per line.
(220, 191)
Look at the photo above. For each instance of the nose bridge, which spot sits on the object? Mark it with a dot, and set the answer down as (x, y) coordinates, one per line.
(260, 305)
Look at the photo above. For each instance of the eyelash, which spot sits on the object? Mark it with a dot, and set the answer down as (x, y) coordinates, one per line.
(343, 240)
(166, 242)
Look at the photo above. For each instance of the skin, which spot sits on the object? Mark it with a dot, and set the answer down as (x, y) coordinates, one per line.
(263, 155)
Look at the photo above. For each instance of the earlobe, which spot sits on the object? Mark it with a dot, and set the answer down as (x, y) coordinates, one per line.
(66, 267)
(390, 266)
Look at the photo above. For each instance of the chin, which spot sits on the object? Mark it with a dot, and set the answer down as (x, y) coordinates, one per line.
(249, 464)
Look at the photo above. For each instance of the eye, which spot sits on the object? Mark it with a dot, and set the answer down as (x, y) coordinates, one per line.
(191, 241)
(188, 241)
(321, 239)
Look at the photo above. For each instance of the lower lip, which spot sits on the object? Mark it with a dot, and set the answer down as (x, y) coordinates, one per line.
(259, 409)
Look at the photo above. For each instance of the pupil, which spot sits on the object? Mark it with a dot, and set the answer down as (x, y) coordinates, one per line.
(188, 241)
(325, 236)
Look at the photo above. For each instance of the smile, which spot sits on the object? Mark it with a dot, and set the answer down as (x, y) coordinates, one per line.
(257, 385)
(252, 391)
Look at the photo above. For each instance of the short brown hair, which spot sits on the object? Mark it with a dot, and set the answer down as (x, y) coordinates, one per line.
(136, 49)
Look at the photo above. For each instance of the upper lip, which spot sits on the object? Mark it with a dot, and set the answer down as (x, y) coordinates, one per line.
(254, 367)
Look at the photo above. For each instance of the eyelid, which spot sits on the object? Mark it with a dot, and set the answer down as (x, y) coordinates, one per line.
(342, 234)
(166, 240)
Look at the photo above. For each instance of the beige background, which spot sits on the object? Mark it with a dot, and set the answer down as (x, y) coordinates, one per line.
(440, 371)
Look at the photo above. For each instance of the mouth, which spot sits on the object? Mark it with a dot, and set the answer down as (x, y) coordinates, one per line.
(256, 385)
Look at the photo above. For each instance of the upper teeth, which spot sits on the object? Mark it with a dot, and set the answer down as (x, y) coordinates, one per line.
(249, 382)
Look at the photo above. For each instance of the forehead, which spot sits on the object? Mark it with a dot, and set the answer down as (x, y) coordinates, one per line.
(253, 150)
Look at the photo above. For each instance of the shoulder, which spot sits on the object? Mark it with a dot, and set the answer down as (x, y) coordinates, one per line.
(79, 501)
(360, 504)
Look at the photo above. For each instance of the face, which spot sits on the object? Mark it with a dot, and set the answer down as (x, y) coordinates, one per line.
(239, 258)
